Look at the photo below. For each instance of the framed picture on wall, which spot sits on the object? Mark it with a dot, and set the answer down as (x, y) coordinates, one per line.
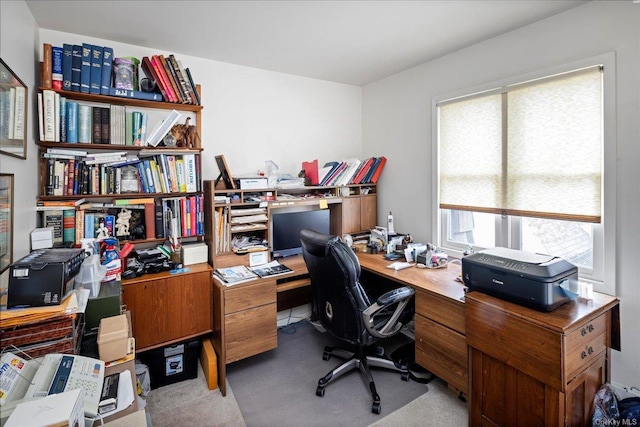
(14, 99)
(6, 221)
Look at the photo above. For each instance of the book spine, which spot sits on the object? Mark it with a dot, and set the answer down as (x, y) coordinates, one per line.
(72, 121)
(155, 61)
(69, 226)
(85, 69)
(150, 221)
(193, 215)
(63, 119)
(136, 127)
(190, 172)
(76, 67)
(56, 116)
(96, 125)
(159, 218)
(84, 124)
(162, 64)
(194, 86)
(96, 69)
(180, 169)
(47, 66)
(79, 226)
(72, 177)
(56, 67)
(107, 65)
(135, 94)
(54, 219)
(67, 59)
(150, 72)
(105, 119)
(48, 100)
(128, 128)
(182, 85)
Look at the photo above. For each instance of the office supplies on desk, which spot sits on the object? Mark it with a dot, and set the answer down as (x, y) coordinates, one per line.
(400, 265)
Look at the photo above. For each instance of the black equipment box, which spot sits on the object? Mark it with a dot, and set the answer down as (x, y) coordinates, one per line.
(43, 277)
(172, 364)
(533, 280)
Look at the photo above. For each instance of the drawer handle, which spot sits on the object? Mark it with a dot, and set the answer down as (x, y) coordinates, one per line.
(590, 328)
(584, 331)
(583, 355)
(590, 350)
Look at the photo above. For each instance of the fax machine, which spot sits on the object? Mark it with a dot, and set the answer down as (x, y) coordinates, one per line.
(541, 282)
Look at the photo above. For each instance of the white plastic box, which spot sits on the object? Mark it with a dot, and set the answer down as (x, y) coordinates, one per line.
(42, 238)
(91, 274)
(113, 337)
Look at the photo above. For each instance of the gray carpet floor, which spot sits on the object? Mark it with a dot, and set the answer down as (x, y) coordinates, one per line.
(277, 388)
(268, 397)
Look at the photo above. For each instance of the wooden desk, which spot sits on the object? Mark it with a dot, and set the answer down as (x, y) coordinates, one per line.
(441, 345)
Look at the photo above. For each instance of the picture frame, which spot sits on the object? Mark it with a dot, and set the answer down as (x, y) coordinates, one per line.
(225, 175)
(6, 221)
(14, 101)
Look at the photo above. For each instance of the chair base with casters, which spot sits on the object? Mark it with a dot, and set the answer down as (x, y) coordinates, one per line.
(363, 363)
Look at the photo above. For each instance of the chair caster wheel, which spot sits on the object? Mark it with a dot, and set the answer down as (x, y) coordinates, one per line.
(375, 408)
(326, 355)
(404, 376)
(320, 391)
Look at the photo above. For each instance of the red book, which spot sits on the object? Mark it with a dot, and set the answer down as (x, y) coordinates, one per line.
(162, 62)
(378, 171)
(150, 72)
(311, 171)
(150, 220)
(363, 171)
(183, 216)
(155, 61)
(192, 212)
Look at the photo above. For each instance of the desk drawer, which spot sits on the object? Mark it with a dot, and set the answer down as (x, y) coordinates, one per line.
(442, 351)
(445, 311)
(250, 332)
(247, 296)
(583, 345)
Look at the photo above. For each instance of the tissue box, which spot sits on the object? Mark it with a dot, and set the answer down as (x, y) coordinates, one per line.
(42, 238)
(113, 338)
(194, 253)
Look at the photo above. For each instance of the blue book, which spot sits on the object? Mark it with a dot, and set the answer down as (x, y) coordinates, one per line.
(107, 64)
(63, 119)
(136, 94)
(67, 58)
(76, 67)
(85, 69)
(56, 67)
(72, 121)
(89, 227)
(146, 165)
(96, 69)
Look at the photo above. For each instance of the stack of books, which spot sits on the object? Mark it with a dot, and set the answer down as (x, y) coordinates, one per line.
(234, 275)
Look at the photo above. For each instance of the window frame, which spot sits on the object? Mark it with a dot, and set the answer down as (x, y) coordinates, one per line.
(507, 231)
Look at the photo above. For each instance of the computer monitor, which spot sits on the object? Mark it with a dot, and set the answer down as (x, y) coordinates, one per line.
(286, 227)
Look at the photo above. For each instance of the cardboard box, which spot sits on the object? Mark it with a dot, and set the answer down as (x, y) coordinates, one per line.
(113, 334)
(209, 364)
(194, 253)
(55, 410)
(252, 183)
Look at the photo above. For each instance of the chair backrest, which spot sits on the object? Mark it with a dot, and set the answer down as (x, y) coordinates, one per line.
(338, 298)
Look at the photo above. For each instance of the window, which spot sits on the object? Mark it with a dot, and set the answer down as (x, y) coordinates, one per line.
(529, 164)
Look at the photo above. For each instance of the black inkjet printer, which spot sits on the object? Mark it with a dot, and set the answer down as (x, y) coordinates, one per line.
(541, 282)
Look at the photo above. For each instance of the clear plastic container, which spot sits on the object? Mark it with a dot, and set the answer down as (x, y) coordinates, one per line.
(91, 273)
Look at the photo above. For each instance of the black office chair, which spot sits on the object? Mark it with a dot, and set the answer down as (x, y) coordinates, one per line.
(345, 311)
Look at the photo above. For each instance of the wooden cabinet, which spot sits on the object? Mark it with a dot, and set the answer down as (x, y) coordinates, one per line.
(441, 345)
(245, 322)
(167, 308)
(359, 213)
(534, 368)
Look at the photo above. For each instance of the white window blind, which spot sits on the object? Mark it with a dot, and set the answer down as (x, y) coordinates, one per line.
(533, 149)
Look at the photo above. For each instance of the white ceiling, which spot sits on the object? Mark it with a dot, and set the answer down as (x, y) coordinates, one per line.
(353, 42)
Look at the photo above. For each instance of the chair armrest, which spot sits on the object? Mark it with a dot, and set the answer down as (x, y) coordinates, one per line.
(400, 298)
(395, 295)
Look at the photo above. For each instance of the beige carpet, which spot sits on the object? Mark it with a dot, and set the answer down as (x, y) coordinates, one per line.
(191, 403)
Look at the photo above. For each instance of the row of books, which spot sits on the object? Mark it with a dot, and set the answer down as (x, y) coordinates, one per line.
(102, 173)
(89, 68)
(12, 108)
(352, 171)
(67, 121)
(138, 219)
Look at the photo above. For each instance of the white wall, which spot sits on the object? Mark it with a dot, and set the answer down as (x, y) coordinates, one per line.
(17, 48)
(397, 121)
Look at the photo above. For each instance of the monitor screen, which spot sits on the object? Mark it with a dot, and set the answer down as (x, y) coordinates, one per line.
(286, 227)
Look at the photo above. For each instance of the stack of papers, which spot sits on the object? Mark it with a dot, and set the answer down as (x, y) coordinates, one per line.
(234, 275)
(273, 268)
